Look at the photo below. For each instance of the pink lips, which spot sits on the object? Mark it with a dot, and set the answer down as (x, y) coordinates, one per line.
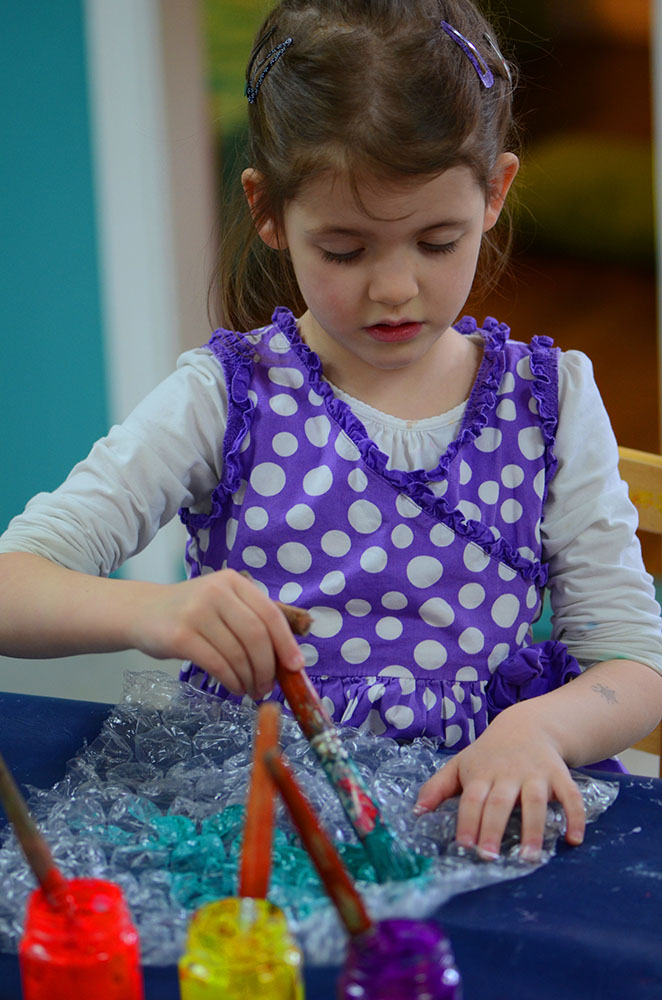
(393, 333)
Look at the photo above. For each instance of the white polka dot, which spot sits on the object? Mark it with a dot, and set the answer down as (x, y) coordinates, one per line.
(406, 507)
(448, 708)
(522, 633)
(495, 531)
(283, 404)
(294, 557)
(310, 653)
(327, 704)
(489, 491)
(532, 596)
(349, 709)
(279, 343)
(400, 716)
(254, 556)
(439, 488)
(240, 493)
(325, 622)
(531, 443)
(290, 377)
(336, 543)
(346, 447)
(430, 654)
(402, 536)
(267, 479)
(358, 608)
(466, 674)
(394, 600)
(256, 518)
(357, 480)
(506, 410)
(202, 538)
(389, 628)
(511, 511)
(284, 444)
(465, 473)
(424, 571)
(505, 610)
(318, 481)
(364, 516)
(317, 430)
(373, 723)
(429, 699)
(471, 640)
(355, 650)
(333, 582)
(507, 383)
(489, 439)
(441, 536)
(533, 405)
(245, 444)
(315, 398)
(404, 676)
(231, 531)
(452, 735)
(474, 558)
(437, 612)
(373, 559)
(512, 476)
(471, 596)
(375, 691)
(539, 483)
(526, 552)
(536, 530)
(470, 511)
(300, 517)
(506, 573)
(524, 368)
(498, 655)
(476, 703)
(290, 592)
(252, 395)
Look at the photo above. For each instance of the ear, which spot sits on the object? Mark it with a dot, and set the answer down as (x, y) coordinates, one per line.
(252, 183)
(506, 168)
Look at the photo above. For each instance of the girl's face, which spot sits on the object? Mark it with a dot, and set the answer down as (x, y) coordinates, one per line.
(385, 275)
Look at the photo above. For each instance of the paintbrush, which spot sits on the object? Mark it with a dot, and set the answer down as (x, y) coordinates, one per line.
(258, 828)
(389, 859)
(33, 845)
(333, 873)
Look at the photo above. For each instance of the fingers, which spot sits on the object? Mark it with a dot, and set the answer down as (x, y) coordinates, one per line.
(442, 785)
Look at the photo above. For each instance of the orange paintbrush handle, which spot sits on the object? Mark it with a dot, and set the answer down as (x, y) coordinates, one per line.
(331, 870)
(258, 828)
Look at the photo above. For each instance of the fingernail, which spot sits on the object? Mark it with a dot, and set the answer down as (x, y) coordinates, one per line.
(488, 854)
(529, 853)
(419, 809)
(575, 838)
(298, 661)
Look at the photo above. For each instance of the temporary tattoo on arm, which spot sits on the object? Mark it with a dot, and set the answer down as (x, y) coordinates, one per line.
(607, 693)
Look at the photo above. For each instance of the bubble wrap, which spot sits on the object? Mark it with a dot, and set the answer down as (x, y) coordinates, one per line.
(156, 804)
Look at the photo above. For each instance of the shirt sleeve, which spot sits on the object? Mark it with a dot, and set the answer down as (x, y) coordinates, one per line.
(167, 453)
(602, 599)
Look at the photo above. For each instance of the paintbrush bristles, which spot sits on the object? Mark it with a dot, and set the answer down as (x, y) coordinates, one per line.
(298, 619)
(258, 828)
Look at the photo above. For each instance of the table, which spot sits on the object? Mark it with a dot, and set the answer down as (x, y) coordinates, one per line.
(586, 925)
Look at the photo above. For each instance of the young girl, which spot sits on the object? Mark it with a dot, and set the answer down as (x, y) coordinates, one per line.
(413, 480)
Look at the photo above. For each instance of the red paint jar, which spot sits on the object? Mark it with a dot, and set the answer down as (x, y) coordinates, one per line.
(90, 951)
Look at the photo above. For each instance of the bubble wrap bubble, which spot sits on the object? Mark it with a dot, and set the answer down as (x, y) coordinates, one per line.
(156, 804)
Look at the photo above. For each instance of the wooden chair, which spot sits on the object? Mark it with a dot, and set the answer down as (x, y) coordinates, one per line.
(642, 472)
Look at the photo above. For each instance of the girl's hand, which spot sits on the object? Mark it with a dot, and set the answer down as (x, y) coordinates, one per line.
(223, 623)
(514, 760)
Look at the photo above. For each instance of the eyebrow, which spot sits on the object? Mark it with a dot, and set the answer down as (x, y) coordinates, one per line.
(324, 231)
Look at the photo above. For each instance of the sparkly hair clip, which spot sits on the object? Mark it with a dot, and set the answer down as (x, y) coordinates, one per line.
(270, 60)
(482, 69)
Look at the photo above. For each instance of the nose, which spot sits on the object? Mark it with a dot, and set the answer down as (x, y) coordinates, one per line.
(393, 282)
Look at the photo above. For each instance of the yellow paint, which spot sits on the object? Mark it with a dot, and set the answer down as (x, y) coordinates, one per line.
(240, 949)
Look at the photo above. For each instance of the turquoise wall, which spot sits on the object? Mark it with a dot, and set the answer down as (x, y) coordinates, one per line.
(52, 388)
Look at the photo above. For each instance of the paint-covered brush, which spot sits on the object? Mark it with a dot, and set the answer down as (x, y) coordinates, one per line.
(258, 828)
(398, 959)
(36, 850)
(388, 857)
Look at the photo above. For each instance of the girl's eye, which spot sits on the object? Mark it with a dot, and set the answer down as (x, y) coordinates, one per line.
(339, 258)
(439, 247)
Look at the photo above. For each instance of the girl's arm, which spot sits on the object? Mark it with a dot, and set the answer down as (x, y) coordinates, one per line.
(222, 621)
(525, 753)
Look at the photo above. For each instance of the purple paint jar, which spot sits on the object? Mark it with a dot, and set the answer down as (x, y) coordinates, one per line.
(400, 960)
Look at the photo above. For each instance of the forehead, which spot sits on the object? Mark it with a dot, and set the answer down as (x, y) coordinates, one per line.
(333, 199)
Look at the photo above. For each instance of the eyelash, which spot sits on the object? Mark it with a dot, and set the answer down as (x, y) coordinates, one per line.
(347, 258)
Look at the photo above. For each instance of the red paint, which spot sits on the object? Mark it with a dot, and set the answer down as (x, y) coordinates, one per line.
(88, 950)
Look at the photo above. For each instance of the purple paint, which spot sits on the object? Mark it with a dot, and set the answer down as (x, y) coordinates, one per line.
(400, 960)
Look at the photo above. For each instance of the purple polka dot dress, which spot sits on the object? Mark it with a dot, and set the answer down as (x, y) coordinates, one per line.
(422, 598)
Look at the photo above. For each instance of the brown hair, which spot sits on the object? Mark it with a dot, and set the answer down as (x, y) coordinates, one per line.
(370, 87)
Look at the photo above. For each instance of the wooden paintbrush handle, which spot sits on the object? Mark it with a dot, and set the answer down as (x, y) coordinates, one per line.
(258, 828)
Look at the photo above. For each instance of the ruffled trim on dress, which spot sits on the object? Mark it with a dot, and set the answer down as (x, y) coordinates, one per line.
(544, 368)
(529, 672)
(414, 484)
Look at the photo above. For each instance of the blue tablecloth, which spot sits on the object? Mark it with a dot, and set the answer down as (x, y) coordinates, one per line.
(587, 925)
